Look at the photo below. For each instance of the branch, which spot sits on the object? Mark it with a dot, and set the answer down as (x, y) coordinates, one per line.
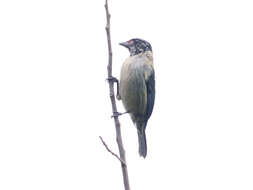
(113, 102)
(107, 148)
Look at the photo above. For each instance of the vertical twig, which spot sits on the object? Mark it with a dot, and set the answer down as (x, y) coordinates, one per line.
(113, 101)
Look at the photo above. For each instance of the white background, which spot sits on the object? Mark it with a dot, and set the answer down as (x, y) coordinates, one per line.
(54, 101)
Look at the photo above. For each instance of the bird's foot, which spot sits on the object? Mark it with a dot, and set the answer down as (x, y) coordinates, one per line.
(117, 114)
(114, 79)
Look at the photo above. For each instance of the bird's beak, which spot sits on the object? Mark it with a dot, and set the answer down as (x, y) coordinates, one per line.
(125, 44)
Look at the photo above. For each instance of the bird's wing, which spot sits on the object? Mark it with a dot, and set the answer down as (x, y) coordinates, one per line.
(150, 84)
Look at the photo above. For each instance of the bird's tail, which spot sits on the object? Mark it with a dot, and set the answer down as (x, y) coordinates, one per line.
(142, 142)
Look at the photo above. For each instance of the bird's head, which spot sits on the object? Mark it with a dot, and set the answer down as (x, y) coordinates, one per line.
(136, 46)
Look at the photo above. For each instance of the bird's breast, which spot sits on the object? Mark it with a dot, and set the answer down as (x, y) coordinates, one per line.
(133, 89)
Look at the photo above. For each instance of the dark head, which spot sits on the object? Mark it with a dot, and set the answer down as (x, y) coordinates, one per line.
(136, 46)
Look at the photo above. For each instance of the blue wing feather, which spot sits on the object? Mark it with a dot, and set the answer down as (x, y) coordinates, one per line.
(150, 84)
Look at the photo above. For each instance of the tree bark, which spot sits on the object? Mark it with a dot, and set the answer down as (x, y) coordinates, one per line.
(113, 102)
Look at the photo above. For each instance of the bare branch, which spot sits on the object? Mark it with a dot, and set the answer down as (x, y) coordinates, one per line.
(107, 148)
(113, 102)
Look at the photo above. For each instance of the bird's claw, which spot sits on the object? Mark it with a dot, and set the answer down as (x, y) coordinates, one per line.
(117, 114)
(113, 79)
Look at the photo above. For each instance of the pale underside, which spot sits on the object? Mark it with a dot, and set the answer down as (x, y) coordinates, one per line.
(133, 91)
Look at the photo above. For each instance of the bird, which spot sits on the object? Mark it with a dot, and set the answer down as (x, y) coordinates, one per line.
(137, 86)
